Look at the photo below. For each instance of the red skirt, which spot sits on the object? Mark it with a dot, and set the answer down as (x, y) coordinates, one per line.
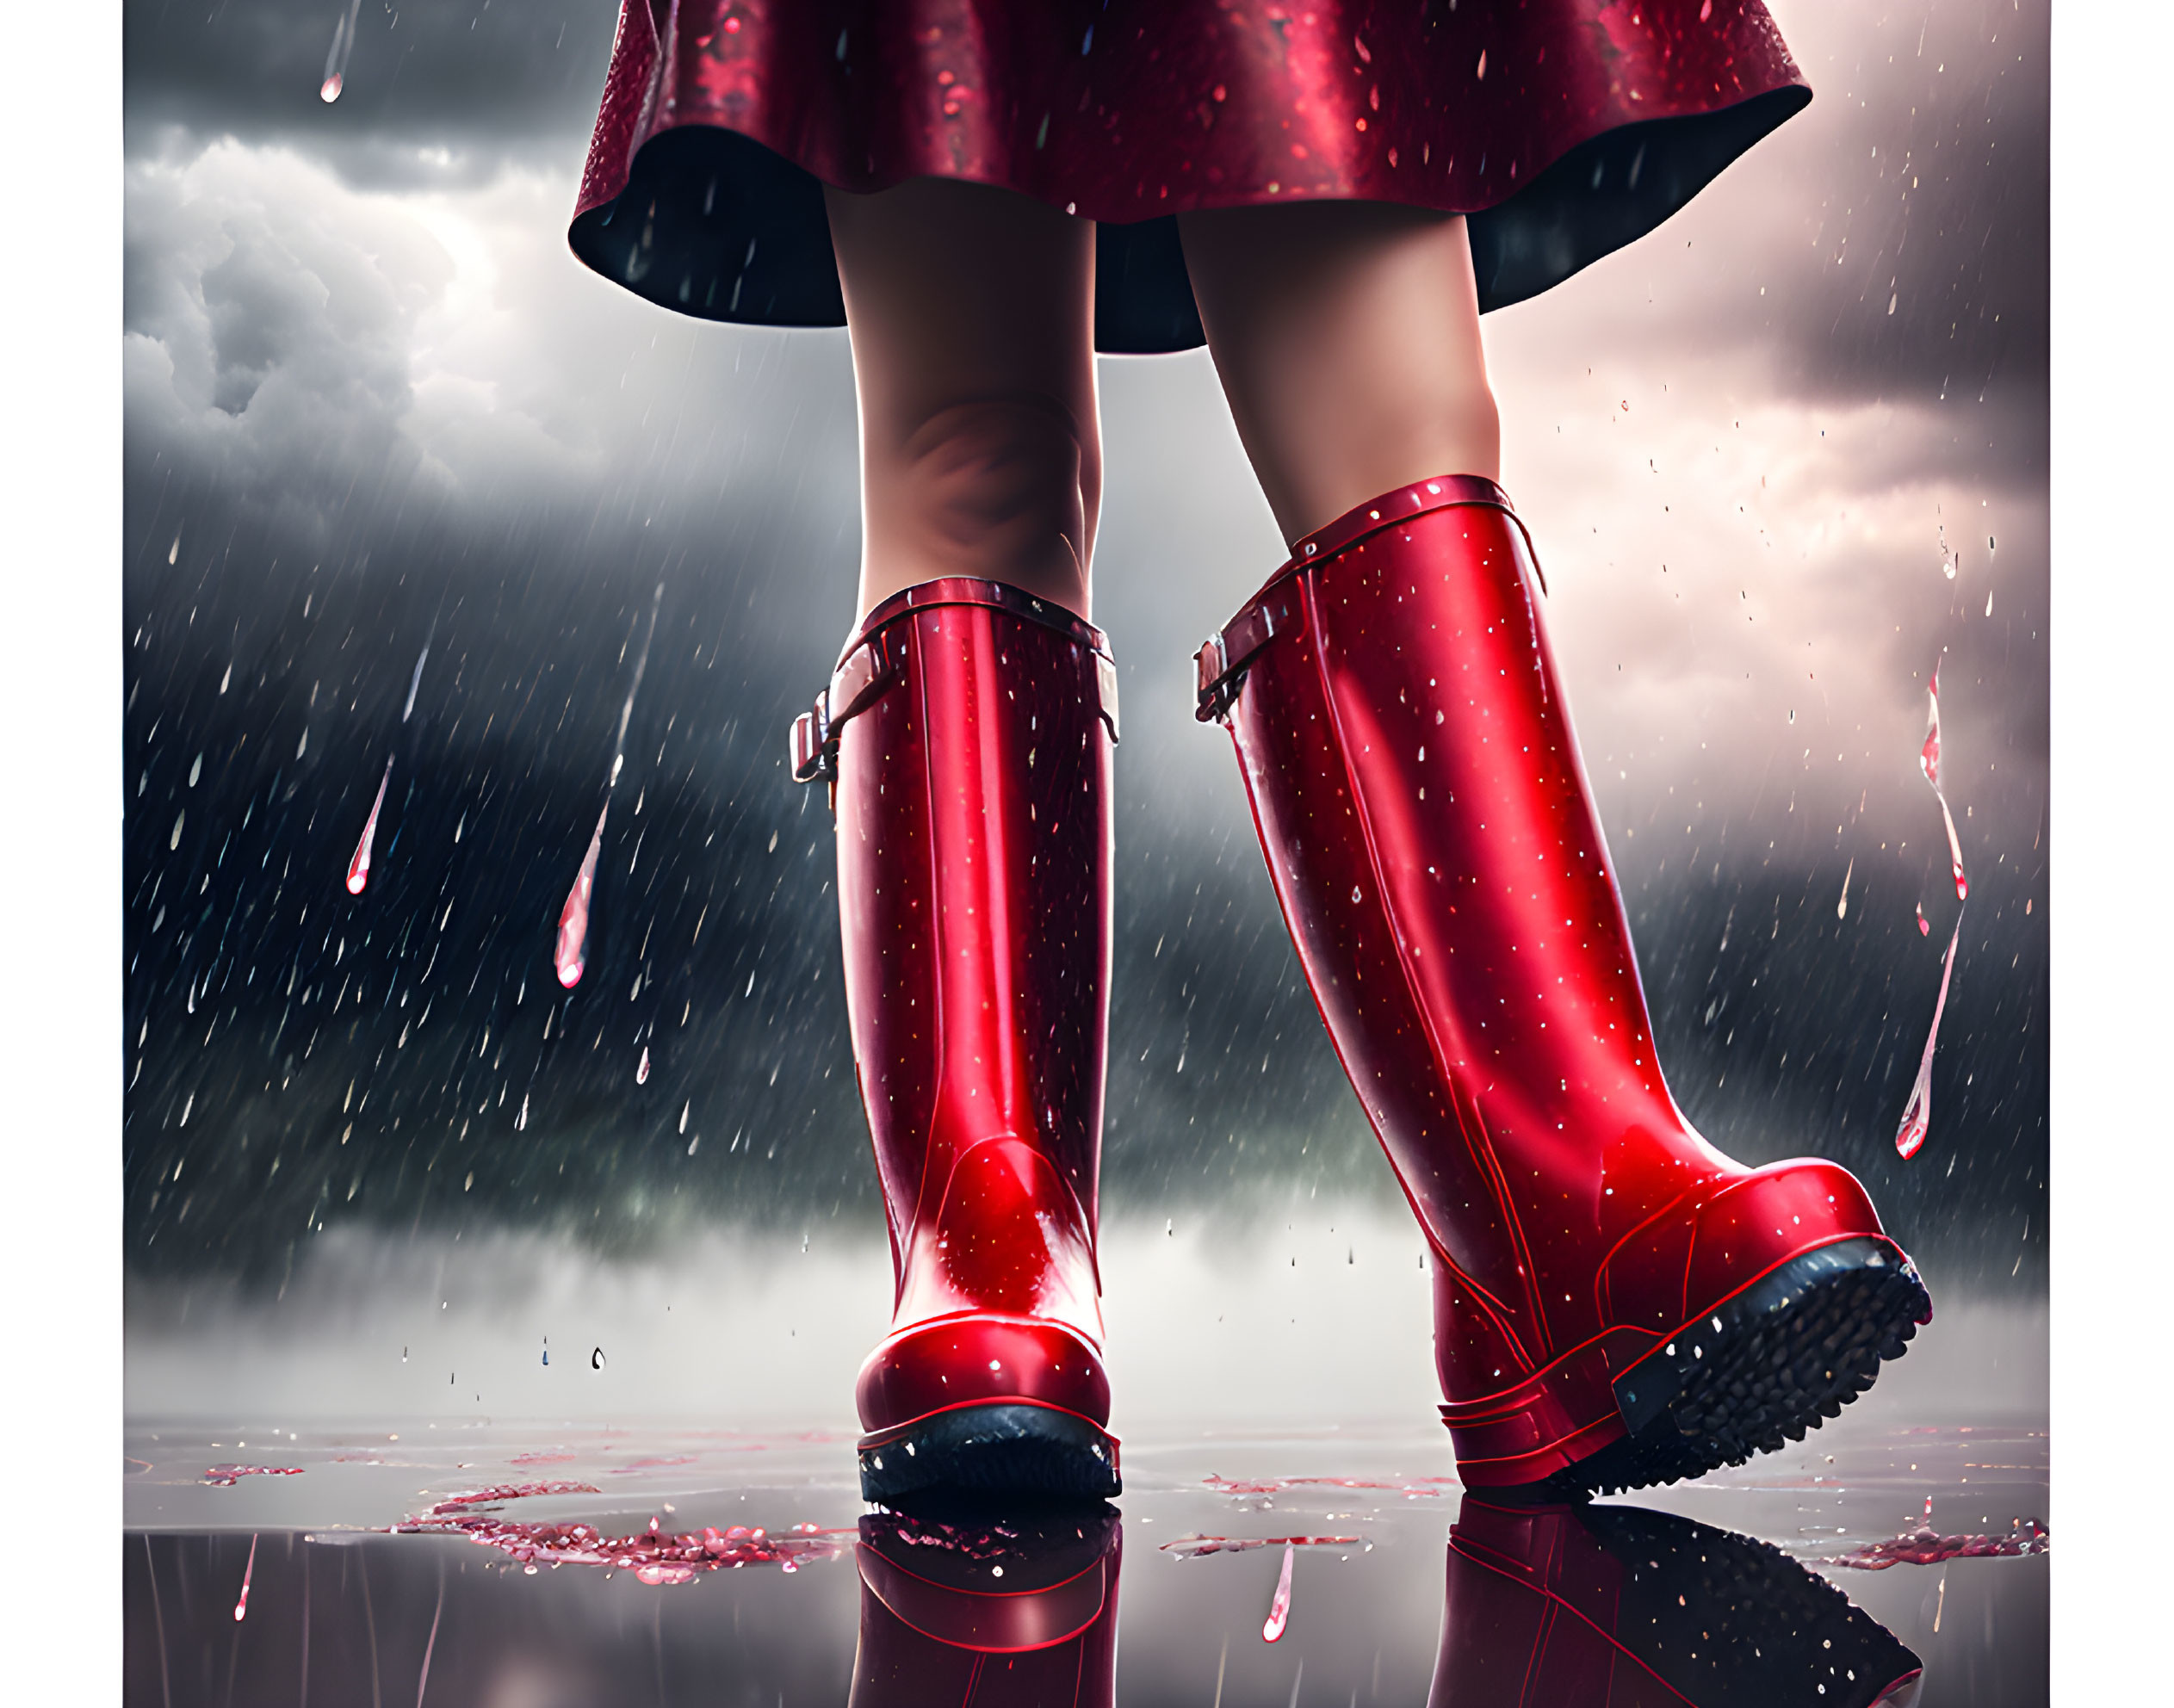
(1563, 129)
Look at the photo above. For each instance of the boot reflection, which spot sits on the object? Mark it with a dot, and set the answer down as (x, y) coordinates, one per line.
(970, 1610)
(1615, 1607)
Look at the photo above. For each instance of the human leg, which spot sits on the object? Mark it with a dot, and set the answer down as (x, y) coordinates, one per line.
(971, 312)
(967, 734)
(1617, 1303)
(1347, 337)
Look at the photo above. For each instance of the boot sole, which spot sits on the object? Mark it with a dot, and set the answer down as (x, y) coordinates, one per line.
(1010, 1449)
(1756, 1372)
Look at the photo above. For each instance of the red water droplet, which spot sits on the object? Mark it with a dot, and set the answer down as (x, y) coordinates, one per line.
(641, 1074)
(329, 91)
(358, 868)
(568, 952)
(1929, 762)
(1917, 1115)
(1279, 1609)
(241, 1608)
(1925, 925)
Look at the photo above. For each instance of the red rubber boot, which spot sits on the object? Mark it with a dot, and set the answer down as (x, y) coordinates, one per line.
(1018, 1614)
(967, 735)
(1616, 1303)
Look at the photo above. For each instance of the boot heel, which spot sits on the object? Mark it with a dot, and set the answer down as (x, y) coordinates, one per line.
(1004, 1449)
(1758, 1369)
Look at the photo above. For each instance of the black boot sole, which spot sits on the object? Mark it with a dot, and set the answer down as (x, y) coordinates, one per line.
(1778, 1359)
(1034, 1451)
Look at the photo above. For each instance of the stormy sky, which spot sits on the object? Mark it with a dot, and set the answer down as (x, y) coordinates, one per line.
(373, 405)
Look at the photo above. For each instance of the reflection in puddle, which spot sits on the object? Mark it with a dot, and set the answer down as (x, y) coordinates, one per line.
(1596, 1607)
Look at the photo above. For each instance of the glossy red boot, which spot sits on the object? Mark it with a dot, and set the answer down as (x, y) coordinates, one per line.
(1019, 1614)
(1608, 1606)
(967, 737)
(1616, 1303)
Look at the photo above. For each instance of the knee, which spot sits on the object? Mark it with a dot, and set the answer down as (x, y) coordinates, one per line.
(1001, 486)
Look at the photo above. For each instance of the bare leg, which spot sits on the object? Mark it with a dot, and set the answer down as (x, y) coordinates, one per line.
(1346, 335)
(972, 316)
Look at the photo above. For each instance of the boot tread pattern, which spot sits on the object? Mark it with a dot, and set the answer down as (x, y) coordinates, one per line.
(1020, 1449)
(1788, 1354)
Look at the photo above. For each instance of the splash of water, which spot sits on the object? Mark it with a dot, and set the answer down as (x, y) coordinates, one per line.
(335, 61)
(1273, 1485)
(358, 868)
(1193, 1547)
(569, 952)
(1925, 1546)
(1917, 1116)
(224, 1476)
(1929, 762)
(1279, 1609)
(241, 1608)
(655, 1556)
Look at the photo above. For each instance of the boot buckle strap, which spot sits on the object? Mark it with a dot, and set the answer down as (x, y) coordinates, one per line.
(1224, 656)
(866, 672)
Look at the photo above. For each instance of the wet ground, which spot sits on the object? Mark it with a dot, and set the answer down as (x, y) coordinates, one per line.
(532, 1566)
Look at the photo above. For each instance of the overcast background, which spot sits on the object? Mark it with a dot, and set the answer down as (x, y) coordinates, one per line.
(371, 401)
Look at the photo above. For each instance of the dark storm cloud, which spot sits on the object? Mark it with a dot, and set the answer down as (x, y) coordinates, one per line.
(372, 401)
(1893, 240)
(486, 83)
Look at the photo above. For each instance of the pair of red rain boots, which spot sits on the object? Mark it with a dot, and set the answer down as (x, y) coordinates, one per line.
(1616, 1303)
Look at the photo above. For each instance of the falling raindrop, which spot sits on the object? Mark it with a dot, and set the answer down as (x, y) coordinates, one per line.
(596, 1357)
(241, 1608)
(521, 1121)
(1929, 762)
(1842, 908)
(358, 868)
(683, 1111)
(547, 1349)
(225, 679)
(415, 681)
(568, 953)
(335, 61)
(174, 550)
(641, 1074)
(1917, 1115)
(1279, 1609)
(1925, 925)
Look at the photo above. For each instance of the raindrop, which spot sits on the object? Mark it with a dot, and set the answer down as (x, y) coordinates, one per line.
(684, 1109)
(596, 1357)
(641, 1074)
(336, 61)
(415, 681)
(174, 550)
(1842, 908)
(1279, 1609)
(358, 868)
(568, 952)
(225, 679)
(173, 841)
(1917, 1115)
(1929, 762)
(241, 1608)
